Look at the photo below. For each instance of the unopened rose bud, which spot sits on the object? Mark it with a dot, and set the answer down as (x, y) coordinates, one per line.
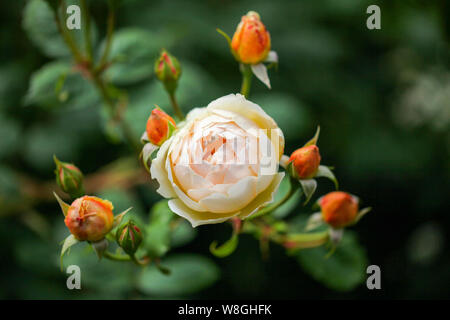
(129, 237)
(305, 162)
(168, 71)
(339, 209)
(69, 178)
(159, 127)
(89, 218)
(251, 41)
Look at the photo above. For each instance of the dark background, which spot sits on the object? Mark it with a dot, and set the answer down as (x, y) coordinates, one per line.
(381, 97)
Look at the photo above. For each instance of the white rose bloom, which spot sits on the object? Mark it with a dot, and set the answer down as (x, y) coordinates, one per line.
(219, 163)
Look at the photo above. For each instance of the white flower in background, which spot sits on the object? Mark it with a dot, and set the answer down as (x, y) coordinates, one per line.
(221, 162)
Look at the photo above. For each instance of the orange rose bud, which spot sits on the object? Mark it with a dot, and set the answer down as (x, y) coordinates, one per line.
(89, 218)
(305, 162)
(159, 126)
(251, 41)
(339, 209)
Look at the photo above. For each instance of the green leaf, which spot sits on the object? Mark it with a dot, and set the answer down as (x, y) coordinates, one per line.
(68, 242)
(225, 35)
(361, 214)
(182, 234)
(64, 206)
(157, 233)
(39, 23)
(43, 83)
(57, 85)
(133, 52)
(225, 249)
(189, 274)
(309, 187)
(313, 141)
(118, 218)
(343, 271)
(326, 172)
(286, 208)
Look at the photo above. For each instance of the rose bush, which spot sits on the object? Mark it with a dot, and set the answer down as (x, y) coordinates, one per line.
(214, 167)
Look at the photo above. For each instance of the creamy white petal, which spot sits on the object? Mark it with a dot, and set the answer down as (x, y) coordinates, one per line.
(264, 198)
(237, 103)
(198, 218)
(239, 195)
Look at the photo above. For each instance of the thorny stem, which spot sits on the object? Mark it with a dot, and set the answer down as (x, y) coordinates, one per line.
(246, 79)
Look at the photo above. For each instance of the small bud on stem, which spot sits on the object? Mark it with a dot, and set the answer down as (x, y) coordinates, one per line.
(339, 209)
(129, 237)
(69, 178)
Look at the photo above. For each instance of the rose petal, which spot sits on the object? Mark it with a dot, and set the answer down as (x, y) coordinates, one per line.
(264, 198)
(198, 218)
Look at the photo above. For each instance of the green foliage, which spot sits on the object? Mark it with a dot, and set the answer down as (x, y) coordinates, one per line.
(344, 270)
(10, 133)
(378, 96)
(283, 210)
(189, 93)
(157, 233)
(133, 52)
(40, 25)
(182, 234)
(38, 21)
(57, 85)
(189, 273)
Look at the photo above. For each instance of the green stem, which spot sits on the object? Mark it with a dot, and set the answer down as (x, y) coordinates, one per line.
(109, 34)
(175, 106)
(116, 257)
(86, 30)
(246, 79)
(66, 35)
(305, 240)
(121, 257)
(142, 262)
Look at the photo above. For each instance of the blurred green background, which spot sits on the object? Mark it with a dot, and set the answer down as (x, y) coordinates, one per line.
(381, 97)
